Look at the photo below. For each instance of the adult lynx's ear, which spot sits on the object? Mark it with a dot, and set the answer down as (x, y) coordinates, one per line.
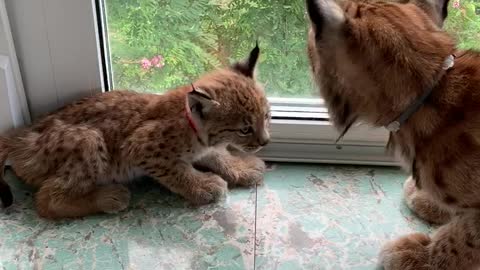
(439, 9)
(442, 8)
(436, 9)
(325, 15)
(200, 102)
(247, 66)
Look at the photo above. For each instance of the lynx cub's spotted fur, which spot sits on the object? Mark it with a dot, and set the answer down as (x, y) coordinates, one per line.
(79, 156)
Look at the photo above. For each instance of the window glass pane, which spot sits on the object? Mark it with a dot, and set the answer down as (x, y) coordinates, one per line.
(159, 44)
(463, 22)
(156, 45)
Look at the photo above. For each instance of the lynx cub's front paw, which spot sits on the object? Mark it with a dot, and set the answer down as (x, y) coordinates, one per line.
(207, 189)
(252, 173)
(113, 198)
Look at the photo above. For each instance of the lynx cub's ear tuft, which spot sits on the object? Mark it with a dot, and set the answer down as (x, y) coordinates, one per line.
(247, 66)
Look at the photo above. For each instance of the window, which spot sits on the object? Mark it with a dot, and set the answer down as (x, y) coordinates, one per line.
(161, 44)
(154, 45)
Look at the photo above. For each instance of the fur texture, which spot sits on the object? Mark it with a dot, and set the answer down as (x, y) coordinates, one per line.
(79, 156)
(371, 61)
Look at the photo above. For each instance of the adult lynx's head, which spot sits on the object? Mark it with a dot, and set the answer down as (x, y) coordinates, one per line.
(232, 106)
(371, 59)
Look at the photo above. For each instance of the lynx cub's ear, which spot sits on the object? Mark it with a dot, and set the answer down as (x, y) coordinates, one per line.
(247, 66)
(200, 102)
(326, 16)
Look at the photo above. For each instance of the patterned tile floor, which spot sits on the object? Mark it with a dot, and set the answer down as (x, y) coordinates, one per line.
(303, 217)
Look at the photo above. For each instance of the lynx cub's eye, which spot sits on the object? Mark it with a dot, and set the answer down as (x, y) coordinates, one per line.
(246, 131)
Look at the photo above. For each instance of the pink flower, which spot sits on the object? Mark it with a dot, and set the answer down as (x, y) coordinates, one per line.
(456, 4)
(146, 64)
(158, 61)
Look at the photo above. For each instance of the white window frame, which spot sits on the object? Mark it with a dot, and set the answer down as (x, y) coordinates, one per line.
(62, 52)
(13, 105)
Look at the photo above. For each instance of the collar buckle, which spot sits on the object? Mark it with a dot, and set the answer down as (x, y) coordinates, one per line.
(393, 126)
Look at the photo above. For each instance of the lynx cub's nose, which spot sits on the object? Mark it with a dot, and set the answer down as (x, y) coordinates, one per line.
(264, 141)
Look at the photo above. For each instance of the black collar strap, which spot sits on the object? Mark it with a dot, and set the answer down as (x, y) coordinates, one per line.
(415, 106)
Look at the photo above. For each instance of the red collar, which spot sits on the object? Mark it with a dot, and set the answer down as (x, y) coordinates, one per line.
(191, 123)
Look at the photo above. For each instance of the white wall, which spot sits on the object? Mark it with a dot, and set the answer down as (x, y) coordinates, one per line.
(58, 50)
(13, 106)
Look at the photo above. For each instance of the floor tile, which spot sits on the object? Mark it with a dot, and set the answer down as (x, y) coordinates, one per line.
(159, 231)
(325, 217)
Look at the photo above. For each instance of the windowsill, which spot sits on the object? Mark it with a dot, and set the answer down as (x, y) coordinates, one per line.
(314, 142)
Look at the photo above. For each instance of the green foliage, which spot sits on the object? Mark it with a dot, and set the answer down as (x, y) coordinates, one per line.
(195, 36)
(464, 23)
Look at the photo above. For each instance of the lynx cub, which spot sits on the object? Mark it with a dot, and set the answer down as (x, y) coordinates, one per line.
(79, 156)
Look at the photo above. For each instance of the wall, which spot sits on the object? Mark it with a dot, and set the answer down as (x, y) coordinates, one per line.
(13, 106)
(58, 50)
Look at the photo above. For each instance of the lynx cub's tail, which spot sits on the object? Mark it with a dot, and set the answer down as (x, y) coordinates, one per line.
(5, 193)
